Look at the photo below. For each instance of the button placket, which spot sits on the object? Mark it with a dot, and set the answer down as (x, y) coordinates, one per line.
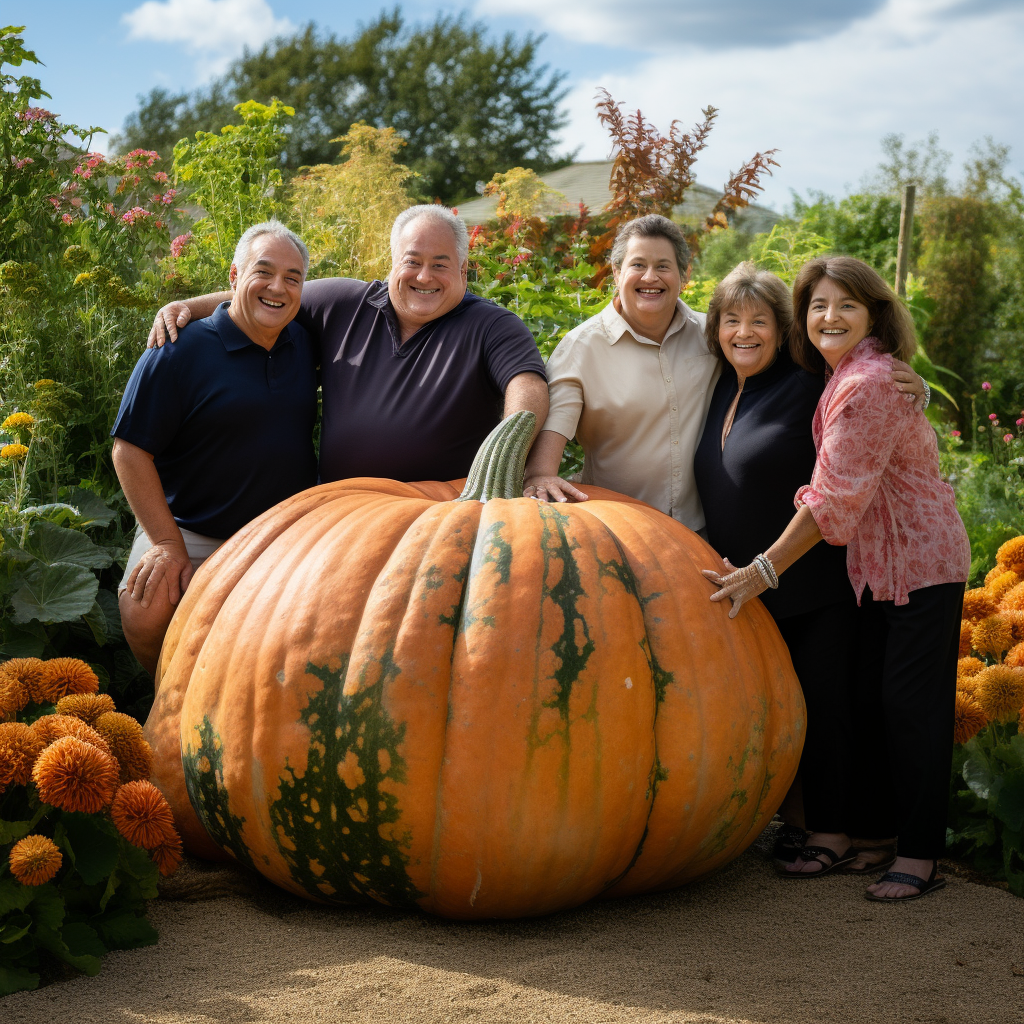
(675, 459)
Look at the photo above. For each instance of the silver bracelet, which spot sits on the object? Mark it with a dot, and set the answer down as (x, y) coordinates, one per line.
(767, 571)
(927, 395)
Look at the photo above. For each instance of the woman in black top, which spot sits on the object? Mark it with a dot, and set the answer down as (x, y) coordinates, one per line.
(756, 450)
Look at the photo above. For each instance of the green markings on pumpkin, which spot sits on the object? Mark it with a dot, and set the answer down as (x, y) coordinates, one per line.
(336, 824)
(204, 779)
(566, 593)
(490, 549)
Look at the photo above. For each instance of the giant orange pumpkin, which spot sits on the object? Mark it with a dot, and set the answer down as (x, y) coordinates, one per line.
(482, 709)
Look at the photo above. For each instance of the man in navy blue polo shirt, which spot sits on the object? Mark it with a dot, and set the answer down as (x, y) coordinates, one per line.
(215, 430)
(415, 370)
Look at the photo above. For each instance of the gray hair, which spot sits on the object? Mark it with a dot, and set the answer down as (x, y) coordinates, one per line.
(268, 227)
(438, 215)
(653, 225)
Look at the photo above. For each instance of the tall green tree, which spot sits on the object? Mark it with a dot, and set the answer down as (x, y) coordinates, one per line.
(466, 105)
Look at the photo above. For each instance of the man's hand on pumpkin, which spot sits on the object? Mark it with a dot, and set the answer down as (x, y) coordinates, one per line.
(162, 563)
(739, 585)
(552, 488)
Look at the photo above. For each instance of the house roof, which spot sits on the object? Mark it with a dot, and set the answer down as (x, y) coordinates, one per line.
(588, 183)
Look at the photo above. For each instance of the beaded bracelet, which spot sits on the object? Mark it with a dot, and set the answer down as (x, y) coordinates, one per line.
(767, 571)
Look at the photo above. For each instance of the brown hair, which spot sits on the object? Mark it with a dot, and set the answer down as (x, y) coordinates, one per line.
(748, 286)
(891, 323)
(652, 225)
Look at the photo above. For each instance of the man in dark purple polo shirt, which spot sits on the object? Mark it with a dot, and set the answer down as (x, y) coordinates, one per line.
(416, 371)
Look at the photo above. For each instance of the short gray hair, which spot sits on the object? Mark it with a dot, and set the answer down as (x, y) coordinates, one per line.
(653, 225)
(268, 227)
(439, 215)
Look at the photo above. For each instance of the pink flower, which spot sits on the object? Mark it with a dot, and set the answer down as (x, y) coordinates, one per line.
(985, 386)
(30, 114)
(993, 417)
(1007, 438)
(67, 218)
(18, 164)
(1020, 422)
(160, 176)
(521, 258)
(76, 202)
(954, 433)
(135, 214)
(109, 207)
(140, 158)
(178, 244)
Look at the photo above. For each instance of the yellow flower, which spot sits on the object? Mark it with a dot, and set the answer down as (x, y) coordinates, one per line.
(28, 671)
(34, 860)
(19, 748)
(1000, 692)
(1003, 581)
(964, 667)
(967, 684)
(62, 676)
(86, 706)
(44, 384)
(992, 636)
(978, 604)
(54, 727)
(13, 452)
(966, 628)
(968, 718)
(1015, 656)
(127, 744)
(83, 278)
(1011, 554)
(18, 421)
(1013, 599)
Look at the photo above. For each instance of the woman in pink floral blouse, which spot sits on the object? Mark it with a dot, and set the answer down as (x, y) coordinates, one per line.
(876, 488)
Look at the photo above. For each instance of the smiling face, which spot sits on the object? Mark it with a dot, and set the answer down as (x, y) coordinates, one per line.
(648, 280)
(267, 289)
(426, 278)
(836, 322)
(749, 337)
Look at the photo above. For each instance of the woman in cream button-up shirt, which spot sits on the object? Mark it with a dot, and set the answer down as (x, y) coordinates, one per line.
(633, 383)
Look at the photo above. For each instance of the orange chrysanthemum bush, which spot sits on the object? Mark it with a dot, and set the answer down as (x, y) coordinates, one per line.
(79, 821)
(987, 801)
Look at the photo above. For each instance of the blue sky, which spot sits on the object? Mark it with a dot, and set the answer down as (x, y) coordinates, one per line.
(822, 81)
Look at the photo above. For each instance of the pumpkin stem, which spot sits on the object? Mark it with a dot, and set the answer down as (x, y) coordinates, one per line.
(497, 470)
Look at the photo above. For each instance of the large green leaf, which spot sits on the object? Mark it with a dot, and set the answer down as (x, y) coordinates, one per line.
(92, 509)
(19, 643)
(10, 831)
(95, 842)
(61, 593)
(126, 930)
(978, 774)
(17, 979)
(86, 962)
(13, 927)
(13, 896)
(53, 544)
(1010, 803)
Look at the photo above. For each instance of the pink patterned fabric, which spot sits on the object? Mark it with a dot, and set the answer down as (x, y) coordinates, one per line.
(876, 485)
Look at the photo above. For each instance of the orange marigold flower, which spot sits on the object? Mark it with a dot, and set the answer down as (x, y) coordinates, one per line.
(34, 860)
(86, 706)
(967, 684)
(28, 671)
(979, 604)
(13, 695)
(167, 856)
(55, 727)
(1011, 554)
(966, 628)
(1003, 581)
(1016, 621)
(75, 776)
(1013, 599)
(1015, 656)
(969, 667)
(142, 815)
(992, 636)
(62, 676)
(19, 748)
(127, 744)
(1000, 692)
(968, 717)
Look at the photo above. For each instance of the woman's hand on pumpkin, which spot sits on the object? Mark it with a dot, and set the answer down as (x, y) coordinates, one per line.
(166, 323)
(552, 488)
(908, 382)
(168, 563)
(739, 585)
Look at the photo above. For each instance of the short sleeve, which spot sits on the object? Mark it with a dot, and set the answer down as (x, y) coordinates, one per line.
(565, 390)
(151, 409)
(861, 427)
(509, 349)
(321, 298)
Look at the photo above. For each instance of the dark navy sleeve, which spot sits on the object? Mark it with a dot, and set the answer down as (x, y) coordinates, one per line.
(151, 409)
(509, 350)
(321, 299)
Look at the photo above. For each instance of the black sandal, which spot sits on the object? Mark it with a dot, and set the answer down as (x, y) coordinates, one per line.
(809, 853)
(789, 841)
(889, 858)
(923, 885)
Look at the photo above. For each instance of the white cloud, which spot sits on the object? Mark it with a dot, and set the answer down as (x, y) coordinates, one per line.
(215, 31)
(912, 68)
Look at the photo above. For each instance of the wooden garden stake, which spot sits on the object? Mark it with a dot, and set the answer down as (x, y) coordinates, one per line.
(906, 234)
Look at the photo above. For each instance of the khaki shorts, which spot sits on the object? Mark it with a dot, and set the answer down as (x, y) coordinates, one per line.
(199, 549)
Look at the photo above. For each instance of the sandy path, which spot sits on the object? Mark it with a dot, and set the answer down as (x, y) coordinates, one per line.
(742, 946)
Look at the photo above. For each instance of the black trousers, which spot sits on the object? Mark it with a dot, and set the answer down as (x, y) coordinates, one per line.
(823, 645)
(902, 718)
